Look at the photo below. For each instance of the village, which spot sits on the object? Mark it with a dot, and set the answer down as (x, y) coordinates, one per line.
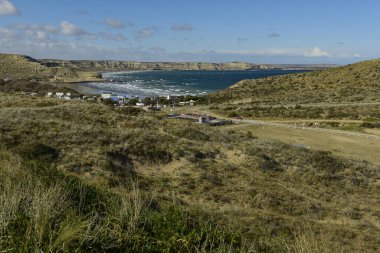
(147, 104)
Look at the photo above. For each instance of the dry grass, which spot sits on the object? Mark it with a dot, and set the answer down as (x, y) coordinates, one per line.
(263, 189)
(34, 206)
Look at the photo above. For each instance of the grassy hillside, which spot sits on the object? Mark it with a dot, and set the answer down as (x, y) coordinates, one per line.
(24, 67)
(352, 83)
(28, 86)
(350, 92)
(265, 195)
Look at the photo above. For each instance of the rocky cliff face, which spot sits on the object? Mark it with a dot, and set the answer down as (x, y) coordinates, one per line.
(131, 65)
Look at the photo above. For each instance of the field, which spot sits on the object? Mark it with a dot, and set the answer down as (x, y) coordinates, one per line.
(121, 179)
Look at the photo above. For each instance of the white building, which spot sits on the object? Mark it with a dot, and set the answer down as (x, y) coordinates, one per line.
(59, 94)
(106, 95)
(140, 104)
(50, 94)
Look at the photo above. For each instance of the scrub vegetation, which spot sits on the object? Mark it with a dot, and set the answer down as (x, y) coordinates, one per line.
(82, 176)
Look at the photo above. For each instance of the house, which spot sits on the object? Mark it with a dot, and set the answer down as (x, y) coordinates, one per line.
(140, 104)
(107, 95)
(120, 99)
(50, 94)
(59, 94)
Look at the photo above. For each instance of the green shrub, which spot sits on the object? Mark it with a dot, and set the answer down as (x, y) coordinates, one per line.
(39, 151)
(131, 111)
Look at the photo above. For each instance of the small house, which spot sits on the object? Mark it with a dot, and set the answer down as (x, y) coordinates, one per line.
(59, 94)
(50, 94)
(140, 104)
(107, 95)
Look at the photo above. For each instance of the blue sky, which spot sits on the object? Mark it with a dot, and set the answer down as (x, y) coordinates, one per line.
(270, 31)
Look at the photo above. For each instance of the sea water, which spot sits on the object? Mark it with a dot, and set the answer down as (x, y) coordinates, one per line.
(162, 83)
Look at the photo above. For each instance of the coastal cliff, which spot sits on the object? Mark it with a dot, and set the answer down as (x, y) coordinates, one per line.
(132, 65)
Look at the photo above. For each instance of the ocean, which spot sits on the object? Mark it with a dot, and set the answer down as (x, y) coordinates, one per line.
(161, 83)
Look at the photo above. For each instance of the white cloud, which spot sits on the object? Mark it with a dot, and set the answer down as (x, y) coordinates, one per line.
(182, 28)
(146, 32)
(113, 37)
(71, 29)
(316, 52)
(114, 23)
(41, 35)
(7, 8)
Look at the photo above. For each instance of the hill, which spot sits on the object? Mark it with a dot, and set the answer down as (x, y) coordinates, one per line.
(352, 83)
(317, 94)
(226, 189)
(22, 85)
(24, 67)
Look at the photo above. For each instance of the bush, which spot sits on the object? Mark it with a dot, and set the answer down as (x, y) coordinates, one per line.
(191, 133)
(131, 111)
(39, 151)
(370, 125)
(149, 146)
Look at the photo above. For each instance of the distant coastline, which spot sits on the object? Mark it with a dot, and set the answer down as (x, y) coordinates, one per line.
(119, 66)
